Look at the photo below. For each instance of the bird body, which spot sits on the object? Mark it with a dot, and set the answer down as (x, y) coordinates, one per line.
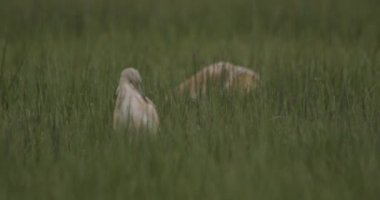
(232, 78)
(133, 110)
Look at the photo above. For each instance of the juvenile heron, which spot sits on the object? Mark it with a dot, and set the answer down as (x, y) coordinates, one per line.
(133, 110)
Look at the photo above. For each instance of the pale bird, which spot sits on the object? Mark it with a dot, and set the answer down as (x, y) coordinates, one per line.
(230, 77)
(133, 110)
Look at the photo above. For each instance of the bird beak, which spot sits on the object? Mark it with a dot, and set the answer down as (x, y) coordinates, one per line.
(140, 88)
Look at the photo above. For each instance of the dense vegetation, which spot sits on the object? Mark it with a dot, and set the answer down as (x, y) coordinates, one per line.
(310, 132)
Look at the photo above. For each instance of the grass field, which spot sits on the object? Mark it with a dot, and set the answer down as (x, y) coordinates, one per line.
(312, 131)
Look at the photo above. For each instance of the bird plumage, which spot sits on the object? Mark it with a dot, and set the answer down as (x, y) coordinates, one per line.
(133, 110)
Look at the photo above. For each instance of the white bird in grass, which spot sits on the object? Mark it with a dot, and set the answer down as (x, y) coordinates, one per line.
(133, 110)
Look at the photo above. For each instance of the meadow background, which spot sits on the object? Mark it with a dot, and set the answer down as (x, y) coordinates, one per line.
(310, 132)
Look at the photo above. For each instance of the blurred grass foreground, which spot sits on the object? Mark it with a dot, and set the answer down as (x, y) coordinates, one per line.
(310, 132)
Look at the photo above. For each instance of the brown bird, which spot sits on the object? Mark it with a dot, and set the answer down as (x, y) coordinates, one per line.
(231, 77)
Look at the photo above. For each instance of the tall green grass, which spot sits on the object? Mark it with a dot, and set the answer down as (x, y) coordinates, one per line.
(310, 132)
